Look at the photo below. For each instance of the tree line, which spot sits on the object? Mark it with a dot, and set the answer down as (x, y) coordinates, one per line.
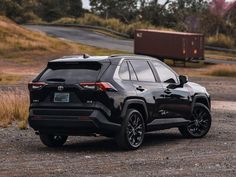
(207, 16)
(211, 17)
(23, 11)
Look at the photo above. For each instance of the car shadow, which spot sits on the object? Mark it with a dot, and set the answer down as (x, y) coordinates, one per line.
(103, 144)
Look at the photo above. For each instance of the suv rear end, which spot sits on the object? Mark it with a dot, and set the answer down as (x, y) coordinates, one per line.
(69, 98)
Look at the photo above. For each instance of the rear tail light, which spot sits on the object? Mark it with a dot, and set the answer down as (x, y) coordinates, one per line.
(36, 85)
(103, 86)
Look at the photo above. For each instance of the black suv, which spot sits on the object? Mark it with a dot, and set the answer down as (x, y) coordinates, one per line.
(118, 96)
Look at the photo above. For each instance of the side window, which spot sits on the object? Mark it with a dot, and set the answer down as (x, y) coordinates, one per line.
(124, 71)
(143, 70)
(165, 74)
(132, 74)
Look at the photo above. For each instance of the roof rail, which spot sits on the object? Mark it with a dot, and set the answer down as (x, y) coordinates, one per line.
(85, 55)
(127, 55)
(120, 55)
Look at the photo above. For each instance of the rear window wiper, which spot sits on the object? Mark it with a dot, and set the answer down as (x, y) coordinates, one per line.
(56, 80)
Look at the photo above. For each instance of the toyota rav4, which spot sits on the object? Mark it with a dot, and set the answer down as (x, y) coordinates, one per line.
(120, 96)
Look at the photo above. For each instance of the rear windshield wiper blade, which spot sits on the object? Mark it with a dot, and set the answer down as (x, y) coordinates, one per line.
(56, 80)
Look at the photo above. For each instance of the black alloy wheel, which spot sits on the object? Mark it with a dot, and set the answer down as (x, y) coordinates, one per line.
(132, 132)
(200, 123)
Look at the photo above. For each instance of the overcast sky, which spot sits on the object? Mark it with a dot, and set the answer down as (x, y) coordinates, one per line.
(86, 3)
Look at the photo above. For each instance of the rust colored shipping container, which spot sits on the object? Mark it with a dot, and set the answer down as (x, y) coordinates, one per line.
(169, 45)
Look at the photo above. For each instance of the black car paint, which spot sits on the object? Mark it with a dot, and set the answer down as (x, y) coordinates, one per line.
(155, 100)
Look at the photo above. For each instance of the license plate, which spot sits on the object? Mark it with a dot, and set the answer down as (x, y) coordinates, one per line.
(61, 97)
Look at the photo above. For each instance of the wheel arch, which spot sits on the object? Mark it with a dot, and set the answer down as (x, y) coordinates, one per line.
(203, 99)
(137, 104)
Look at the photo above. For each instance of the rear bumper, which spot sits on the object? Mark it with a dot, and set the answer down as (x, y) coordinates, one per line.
(76, 122)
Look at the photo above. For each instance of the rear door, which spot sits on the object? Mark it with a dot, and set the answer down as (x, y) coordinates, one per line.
(147, 86)
(68, 85)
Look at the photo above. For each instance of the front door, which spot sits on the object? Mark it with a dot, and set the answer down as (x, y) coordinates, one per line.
(176, 99)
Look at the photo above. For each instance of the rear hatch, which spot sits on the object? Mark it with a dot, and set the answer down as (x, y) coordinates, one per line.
(67, 86)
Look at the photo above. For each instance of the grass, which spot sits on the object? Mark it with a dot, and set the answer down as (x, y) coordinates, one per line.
(220, 55)
(14, 108)
(9, 78)
(220, 40)
(222, 71)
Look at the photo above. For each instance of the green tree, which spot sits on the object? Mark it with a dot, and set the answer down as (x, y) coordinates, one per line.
(51, 10)
(153, 11)
(75, 8)
(187, 14)
(124, 10)
(18, 10)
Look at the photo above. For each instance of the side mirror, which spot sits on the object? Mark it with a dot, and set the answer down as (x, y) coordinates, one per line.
(183, 79)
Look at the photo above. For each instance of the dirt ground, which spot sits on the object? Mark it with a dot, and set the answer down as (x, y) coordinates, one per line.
(164, 153)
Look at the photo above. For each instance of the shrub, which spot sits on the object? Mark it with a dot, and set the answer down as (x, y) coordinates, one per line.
(220, 40)
(65, 20)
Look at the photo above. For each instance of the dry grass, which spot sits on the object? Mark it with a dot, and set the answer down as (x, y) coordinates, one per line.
(9, 78)
(222, 70)
(220, 40)
(220, 55)
(17, 42)
(14, 106)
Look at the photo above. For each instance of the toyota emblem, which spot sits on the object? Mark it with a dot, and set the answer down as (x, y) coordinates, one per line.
(60, 88)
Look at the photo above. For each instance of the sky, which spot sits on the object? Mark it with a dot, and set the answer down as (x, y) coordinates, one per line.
(86, 3)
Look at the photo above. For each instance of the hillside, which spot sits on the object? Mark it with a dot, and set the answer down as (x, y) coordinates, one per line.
(23, 46)
(24, 53)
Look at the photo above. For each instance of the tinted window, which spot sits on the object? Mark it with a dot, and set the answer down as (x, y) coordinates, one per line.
(71, 73)
(165, 74)
(132, 74)
(143, 70)
(124, 71)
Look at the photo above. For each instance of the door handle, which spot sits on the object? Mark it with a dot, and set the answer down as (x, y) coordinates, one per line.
(167, 91)
(140, 88)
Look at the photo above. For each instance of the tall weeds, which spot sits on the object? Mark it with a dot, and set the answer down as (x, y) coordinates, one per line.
(222, 70)
(220, 40)
(14, 107)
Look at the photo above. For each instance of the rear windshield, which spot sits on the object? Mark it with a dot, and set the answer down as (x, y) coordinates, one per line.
(71, 73)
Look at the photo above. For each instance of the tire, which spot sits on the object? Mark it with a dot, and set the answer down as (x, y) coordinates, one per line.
(200, 122)
(53, 140)
(132, 131)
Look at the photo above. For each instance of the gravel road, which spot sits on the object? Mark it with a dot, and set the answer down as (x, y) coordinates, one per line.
(164, 153)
